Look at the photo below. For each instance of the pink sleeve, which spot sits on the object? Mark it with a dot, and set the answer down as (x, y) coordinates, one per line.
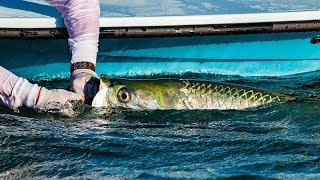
(82, 18)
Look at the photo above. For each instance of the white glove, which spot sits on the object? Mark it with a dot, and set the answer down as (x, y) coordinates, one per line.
(57, 100)
(16, 92)
(86, 83)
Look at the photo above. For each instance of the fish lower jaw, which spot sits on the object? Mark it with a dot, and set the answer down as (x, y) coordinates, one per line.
(99, 101)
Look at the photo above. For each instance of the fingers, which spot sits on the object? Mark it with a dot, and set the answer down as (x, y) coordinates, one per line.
(55, 99)
(78, 88)
(62, 102)
(85, 84)
(65, 96)
(75, 96)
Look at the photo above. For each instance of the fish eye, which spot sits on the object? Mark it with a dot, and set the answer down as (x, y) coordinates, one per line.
(124, 95)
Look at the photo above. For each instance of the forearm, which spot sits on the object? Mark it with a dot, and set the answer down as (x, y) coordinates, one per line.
(81, 18)
(16, 92)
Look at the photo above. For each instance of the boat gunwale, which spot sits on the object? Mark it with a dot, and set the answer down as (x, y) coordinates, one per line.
(167, 26)
(170, 31)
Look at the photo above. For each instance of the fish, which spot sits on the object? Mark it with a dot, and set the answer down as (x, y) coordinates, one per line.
(180, 94)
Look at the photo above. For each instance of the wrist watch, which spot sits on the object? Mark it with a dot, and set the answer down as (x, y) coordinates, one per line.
(82, 65)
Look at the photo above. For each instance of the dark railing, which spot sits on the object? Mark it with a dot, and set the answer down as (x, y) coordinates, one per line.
(161, 31)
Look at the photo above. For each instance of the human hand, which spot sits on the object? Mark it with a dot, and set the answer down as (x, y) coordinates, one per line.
(58, 100)
(86, 83)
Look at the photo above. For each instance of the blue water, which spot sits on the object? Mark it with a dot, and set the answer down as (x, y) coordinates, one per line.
(116, 8)
(275, 141)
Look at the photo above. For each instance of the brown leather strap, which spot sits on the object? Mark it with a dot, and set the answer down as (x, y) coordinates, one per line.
(82, 65)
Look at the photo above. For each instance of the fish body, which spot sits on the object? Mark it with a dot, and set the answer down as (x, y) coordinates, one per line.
(164, 94)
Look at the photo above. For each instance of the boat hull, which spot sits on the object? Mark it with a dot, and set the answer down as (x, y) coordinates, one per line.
(268, 54)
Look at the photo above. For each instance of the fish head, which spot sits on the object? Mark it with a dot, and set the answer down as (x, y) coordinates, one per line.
(128, 94)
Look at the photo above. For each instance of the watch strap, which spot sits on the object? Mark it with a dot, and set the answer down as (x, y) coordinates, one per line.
(82, 65)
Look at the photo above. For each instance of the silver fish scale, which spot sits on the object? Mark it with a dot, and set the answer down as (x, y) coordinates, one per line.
(210, 96)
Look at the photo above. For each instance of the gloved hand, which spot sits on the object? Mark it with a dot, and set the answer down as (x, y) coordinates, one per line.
(58, 100)
(55, 98)
(16, 92)
(86, 83)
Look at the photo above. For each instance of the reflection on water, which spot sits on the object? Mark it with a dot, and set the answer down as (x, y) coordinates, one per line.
(275, 141)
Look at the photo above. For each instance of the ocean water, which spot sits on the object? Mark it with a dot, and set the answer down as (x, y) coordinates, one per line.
(118, 8)
(278, 141)
(274, 141)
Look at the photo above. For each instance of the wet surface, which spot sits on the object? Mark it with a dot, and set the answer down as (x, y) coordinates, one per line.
(274, 141)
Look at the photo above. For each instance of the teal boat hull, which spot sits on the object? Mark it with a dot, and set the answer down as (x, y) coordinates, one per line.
(273, 54)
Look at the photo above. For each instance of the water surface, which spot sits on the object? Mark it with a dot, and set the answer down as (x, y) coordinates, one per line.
(275, 141)
(118, 8)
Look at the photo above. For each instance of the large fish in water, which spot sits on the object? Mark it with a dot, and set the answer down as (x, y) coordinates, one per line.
(179, 94)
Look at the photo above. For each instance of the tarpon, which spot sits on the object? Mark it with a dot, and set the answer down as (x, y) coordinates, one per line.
(180, 94)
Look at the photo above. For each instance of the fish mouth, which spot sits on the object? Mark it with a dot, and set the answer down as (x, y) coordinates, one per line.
(99, 101)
